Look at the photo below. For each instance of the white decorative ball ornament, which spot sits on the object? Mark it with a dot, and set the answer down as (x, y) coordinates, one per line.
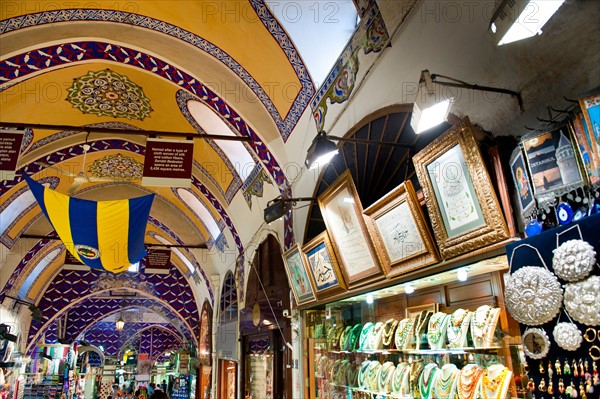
(574, 260)
(582, 301)
(567, 336)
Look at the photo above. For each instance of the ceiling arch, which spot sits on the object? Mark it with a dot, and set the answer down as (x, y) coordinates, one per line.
(76, 290)
(197, 21)
(376, 168)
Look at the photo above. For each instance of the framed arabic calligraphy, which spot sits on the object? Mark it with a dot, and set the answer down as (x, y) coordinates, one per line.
(399, 232)
(463, 207)
(342, 213)
(323, 268)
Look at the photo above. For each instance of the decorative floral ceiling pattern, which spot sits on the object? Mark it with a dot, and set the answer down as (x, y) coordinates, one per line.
(108, 93)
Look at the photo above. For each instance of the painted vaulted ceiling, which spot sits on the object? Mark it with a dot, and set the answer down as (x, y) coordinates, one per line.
(178, 66)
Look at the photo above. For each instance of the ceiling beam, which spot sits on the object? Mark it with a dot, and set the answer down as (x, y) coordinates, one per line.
(199, 246)
(147, 133)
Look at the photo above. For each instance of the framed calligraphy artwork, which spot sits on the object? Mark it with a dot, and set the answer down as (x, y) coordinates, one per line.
(399, 232)
(295, 267)
(323, 267)
(462, 204)
(342, 213)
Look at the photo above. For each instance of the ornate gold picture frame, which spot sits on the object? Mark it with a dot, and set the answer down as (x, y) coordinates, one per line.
(342, 213)
(399, 232)
(295, 267)
(323, 268)
(460, 198)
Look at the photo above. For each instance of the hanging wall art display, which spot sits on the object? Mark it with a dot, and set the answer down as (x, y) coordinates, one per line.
(323, 267)
(462, 204)
(587, 133)
(523, 188)
(295, 268)
(399, 231)
(342, 213)
(552, 163)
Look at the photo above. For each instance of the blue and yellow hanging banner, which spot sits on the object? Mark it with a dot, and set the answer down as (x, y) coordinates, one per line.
(101, 234)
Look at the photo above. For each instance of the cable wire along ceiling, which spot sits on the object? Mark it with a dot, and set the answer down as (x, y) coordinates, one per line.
(101, 234)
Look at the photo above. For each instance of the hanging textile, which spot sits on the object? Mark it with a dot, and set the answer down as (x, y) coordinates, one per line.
(101, 234)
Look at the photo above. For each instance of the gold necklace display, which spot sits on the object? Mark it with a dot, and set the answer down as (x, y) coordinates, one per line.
(468, 378)
(481, 324)
(403, 331)
(492, 387)
(388, 332)
(415, 371)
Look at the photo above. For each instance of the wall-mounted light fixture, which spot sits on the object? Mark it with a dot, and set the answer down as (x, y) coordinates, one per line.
(323, 149)
(516, 20)
(278, 207)
(432, 106)
(36, 313)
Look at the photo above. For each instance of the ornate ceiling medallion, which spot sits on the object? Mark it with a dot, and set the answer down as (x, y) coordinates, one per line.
(106, 93)
(117, 166)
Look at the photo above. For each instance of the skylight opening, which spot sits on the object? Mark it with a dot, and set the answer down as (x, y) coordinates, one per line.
(319, 29)
(38, 269)
(200, 210)
(211, 123)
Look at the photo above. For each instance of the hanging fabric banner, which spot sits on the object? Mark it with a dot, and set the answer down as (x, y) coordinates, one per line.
(101, 234)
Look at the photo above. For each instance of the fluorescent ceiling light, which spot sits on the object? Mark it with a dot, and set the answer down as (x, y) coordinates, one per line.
(532, 16)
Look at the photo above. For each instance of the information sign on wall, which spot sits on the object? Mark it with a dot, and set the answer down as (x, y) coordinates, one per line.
(10, 146)
(168, 163)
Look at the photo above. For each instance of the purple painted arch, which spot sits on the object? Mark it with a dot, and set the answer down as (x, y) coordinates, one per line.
(71, 288)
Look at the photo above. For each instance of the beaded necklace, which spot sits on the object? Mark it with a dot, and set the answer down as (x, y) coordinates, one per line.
(492, 388)
(351, 375)
(455, 333)
(415, 371)
(371, 375)
(399, 376)
(388, 331)
(340, 373)
(434, 329)
(322, 365)
(364, 334)
(375, 336)
(426, 380)
(422, 320)
(353, 337)
(445, 382)
(333, 371)
(468, 378)
(402, 333)
(344, 337)
(385, 376)
(362, 373)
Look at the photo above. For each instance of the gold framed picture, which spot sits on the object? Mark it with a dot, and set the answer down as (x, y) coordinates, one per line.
(342, 213)
(399, 232)
(413, 311)
(295, 267)
(460, 198)
(323, 268)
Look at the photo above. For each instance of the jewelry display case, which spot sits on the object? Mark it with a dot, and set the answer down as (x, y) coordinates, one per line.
(448, 339)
